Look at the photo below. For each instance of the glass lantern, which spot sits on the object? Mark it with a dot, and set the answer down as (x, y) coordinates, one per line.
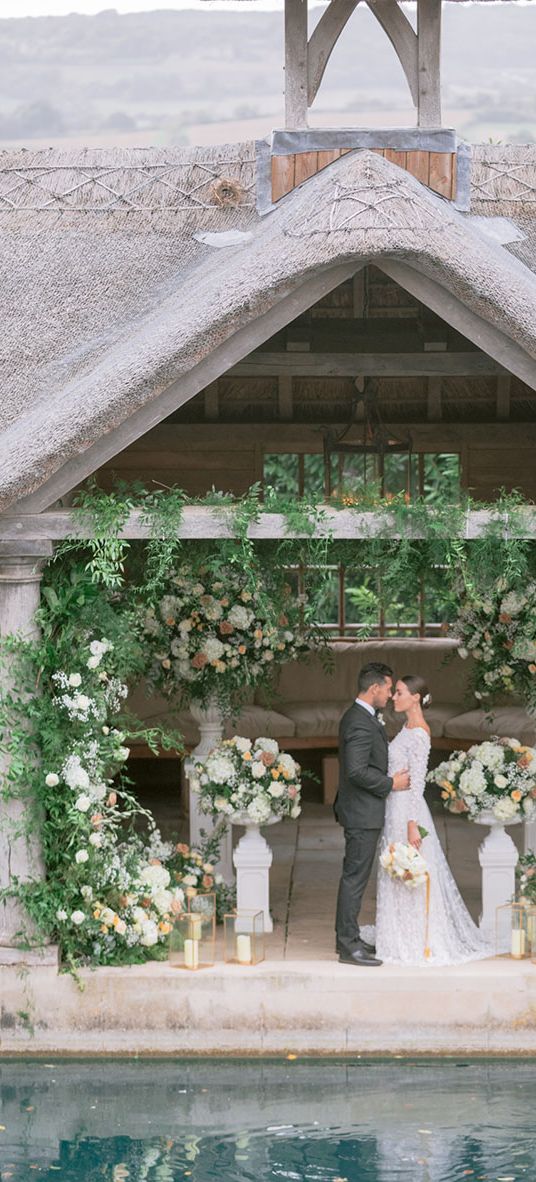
(516, 930)
(193, 936)
(244, 937)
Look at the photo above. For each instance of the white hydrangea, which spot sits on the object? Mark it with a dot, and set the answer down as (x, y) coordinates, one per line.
(75, 680)
(74, 774)
(213, 648)
(220, 769)
(81, 856)
(473, 781)
(505, 809)
(259, 810)
(276, 789)
(149, 935)
(155, 877)
(288, 764)
(162, 901)
(491, 755)
(52, 780)
(513, 603)
(77, 917)
(61, 914)
(242, 744)
(258, 769)
(268, 745)
(87, 892)
(240, 617)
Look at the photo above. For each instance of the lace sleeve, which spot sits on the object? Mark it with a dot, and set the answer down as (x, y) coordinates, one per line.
(418, 750)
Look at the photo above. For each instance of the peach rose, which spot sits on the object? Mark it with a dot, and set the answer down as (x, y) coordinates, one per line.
(96, 819)
(112, 799)
(207, 881)
(267, 758)
(183, 849)
(199, 661)
(516, 795)
(226, 628)
(242, 649)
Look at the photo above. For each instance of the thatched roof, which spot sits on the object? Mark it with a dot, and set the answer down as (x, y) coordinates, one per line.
(110, 297)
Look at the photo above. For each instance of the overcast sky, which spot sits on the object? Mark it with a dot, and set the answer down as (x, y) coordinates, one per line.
(62, 7)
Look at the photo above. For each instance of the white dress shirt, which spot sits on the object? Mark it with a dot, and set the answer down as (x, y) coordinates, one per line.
(366, 706)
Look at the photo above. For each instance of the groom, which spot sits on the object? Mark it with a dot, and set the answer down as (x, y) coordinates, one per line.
(360, 803)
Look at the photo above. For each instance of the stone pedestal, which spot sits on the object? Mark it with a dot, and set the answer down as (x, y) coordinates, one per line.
(21, 566)
(210, 721)
(253, 858)
(498, 858)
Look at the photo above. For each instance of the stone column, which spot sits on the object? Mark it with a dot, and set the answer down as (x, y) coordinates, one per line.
(21, 567)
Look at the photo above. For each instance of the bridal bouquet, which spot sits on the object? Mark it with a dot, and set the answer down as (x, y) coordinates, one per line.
(250, 777)
(405, 864)
(497, 776)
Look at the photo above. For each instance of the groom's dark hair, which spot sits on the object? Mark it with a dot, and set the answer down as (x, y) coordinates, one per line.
(375, 673)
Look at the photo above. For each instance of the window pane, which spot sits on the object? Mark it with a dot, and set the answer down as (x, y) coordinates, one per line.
(401, 615)
(322, 586)
(441, 477)
(313, 476)
(395, 469)
(281, 471)
(361, 600)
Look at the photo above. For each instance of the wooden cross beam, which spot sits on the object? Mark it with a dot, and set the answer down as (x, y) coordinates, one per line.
(418, 52)
(201, 521)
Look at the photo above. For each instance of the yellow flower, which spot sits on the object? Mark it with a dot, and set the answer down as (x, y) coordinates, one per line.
(246, 755)
(104, 928)
(164, 927)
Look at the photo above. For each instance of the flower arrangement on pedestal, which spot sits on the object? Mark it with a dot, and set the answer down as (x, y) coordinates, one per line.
(497, 777)
(249, 779)
(219, 631)
(498, 630)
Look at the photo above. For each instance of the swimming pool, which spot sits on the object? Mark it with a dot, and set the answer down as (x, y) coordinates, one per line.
(260, 1121)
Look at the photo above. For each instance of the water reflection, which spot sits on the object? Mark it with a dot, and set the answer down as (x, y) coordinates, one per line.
(321, 1121)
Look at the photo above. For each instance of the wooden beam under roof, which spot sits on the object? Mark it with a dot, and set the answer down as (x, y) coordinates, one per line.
(263, 364)
(201, 521)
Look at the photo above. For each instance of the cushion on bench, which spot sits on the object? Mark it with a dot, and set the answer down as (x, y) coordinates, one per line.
(507, 721)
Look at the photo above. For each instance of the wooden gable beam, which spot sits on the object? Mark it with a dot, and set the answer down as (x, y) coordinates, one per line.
(323, 41)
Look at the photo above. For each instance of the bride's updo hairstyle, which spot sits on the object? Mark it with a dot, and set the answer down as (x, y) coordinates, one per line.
(417, 685)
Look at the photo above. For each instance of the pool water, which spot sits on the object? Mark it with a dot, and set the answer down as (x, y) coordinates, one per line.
(267, 1121)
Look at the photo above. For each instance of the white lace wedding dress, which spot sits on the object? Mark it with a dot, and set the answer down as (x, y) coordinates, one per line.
(401, 911)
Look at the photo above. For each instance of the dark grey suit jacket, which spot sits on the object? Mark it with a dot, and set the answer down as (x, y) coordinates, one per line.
(363, 780)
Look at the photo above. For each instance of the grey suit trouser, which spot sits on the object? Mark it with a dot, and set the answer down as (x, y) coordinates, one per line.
(359, 853)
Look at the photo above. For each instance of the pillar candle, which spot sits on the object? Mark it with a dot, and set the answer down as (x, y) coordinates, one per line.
(243, 949)
(518, 942)
(195, 922)
(191, 954)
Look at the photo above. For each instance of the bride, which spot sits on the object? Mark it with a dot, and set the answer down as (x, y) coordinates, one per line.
(401, 911)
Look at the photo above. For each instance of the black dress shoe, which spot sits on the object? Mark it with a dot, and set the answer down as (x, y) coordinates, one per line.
(360, 958)
(371, 948)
